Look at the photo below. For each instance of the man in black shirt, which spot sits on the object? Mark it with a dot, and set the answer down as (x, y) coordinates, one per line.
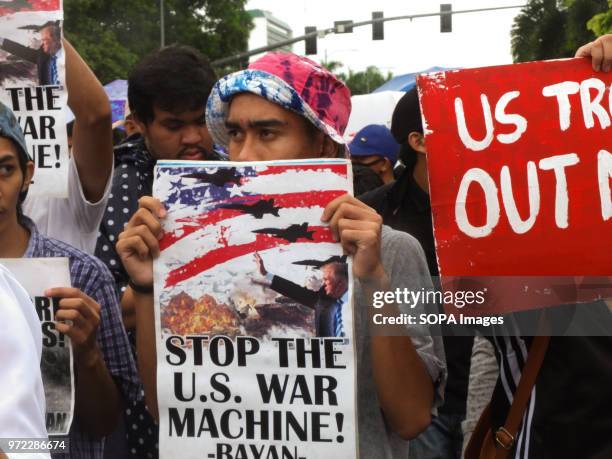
(404, 205)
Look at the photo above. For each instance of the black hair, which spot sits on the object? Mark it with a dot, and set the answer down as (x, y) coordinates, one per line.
(408, 155)
(70, 128)
(174, 79)
(406, 119)
(23, 160)
(312, 131)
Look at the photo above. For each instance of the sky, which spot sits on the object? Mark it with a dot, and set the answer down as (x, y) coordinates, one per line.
(477, 40)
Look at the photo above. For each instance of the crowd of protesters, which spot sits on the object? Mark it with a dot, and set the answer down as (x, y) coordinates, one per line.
(411, 391)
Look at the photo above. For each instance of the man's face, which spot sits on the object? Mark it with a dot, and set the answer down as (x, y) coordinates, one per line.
(177, 135)
(334, 284)
(49, 44)
(12, 182)
(260, 130)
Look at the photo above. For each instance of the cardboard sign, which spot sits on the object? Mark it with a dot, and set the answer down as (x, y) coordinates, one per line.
(254, 319)
(520, 162)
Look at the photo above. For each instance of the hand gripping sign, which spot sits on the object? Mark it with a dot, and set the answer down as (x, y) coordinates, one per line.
(254, 360)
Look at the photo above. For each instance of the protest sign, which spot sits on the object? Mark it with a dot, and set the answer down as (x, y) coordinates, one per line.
(32, 75)
(56, 364)
(520, 161)
(254, 319)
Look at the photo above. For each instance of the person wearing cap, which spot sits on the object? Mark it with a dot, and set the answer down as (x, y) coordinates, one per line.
(375, 147)
(288, 107)
(75, 219)
(105, 372)
(22, 398)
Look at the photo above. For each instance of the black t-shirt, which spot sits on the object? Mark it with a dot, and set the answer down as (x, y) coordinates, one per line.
(404, 206)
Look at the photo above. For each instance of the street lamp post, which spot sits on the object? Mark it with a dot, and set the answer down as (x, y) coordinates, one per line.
(162, 25)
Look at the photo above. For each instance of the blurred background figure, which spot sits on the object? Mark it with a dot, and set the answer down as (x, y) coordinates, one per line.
(374, 147)
(129, 125)
(125, 130)
(373, 153)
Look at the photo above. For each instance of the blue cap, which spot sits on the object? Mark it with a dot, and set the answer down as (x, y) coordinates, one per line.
(374, 140)
(10, 129)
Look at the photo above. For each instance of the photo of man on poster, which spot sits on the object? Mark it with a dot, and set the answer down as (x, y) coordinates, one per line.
(47, 58)
(327, 302)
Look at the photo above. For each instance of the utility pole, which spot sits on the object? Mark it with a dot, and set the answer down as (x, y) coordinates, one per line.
(162, 24)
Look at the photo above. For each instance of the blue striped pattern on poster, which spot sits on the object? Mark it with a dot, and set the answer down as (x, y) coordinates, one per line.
(32, 76)
(254, 319)
(56, 364)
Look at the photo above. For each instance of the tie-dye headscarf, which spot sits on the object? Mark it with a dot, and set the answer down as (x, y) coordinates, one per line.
(293, 82)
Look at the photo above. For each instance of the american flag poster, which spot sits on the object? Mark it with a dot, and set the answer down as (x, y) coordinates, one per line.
(254, 319)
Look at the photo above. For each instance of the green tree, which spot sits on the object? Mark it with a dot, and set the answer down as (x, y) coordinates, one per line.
(547, 29)
(366, 81)
(332, 66)
(113, 35)
(601, 23)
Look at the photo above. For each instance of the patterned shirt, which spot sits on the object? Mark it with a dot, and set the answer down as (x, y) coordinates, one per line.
(132, 179)
(90, 276)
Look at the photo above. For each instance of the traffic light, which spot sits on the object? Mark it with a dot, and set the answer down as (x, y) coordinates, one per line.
(343, 26)
(378, 28)
(310, 42)
(446, 18)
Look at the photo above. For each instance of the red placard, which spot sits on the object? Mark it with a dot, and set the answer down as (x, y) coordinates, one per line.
(16, 6)
(520, 162)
